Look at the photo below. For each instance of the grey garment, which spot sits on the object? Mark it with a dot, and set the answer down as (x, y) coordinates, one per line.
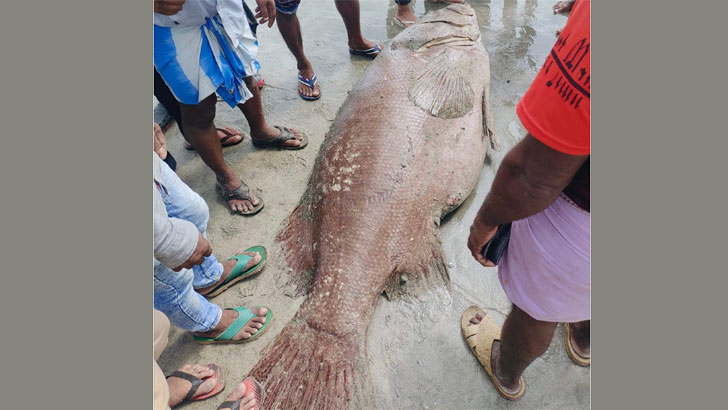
(174, 239)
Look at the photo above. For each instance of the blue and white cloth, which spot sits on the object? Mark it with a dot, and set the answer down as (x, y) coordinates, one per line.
(207, 47)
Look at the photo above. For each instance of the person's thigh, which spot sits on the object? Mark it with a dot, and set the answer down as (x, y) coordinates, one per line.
(182, 202)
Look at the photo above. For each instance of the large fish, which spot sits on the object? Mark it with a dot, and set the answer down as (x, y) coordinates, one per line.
(406, 147)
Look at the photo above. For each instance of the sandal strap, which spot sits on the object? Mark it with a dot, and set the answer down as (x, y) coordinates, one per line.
(244, 316)
(196, 383)
(240, 192)
(232, 405)
(310, 82)
(286, 135)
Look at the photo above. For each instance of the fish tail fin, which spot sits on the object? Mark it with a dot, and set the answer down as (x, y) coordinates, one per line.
(424, 273)
(306, 369)
(297, 243)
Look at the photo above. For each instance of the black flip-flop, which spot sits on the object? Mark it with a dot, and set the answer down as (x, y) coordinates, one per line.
(224, 141)
(240, 193)
(218, 374)
(278, 141)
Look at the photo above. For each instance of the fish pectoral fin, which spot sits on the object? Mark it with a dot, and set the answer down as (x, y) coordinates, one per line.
(441, 90)
(297, 242)
(418, 278)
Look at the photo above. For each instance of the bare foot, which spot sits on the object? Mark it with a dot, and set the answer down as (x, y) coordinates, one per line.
(229, 316)
(562, 7)
(270, 133)
(239, 205)
(178, 388)
(247, 399)
(227, 269)
(405, 15)
(510, 386)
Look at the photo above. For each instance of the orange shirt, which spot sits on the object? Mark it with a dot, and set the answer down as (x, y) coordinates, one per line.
(556, 108)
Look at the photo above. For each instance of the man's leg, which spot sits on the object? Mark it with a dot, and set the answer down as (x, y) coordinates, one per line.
(580, 335)
(169, 102)
(184, 203)
(175, 297)
(187, 309)
(198, 122)
(349, 10)
(260, 131)
(290, 30)
(404, 13)
(166, 98)
(523, 339)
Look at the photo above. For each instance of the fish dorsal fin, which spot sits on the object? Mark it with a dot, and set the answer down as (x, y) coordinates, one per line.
(441, 90)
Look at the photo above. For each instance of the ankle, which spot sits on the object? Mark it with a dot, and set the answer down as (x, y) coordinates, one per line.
(509, 381)
(227, 177)
(304, 65)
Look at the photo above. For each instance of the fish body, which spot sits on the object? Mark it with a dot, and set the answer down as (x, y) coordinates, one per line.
(406, 147)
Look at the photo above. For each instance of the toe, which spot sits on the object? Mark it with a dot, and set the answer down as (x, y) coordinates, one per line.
(249, 402)
(201, 371)
(259, 311)
(254, 259)
(206, 387)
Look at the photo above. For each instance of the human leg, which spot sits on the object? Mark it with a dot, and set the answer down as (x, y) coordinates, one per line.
(201, 133)
(404, 17)
(175, 296)
(184, 203)
(290, 29)
(260, 130)
(349, 10)
(578, 342)
(505, 353)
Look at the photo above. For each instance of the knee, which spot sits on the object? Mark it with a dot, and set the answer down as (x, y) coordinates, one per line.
(201, 115)
(200, 213)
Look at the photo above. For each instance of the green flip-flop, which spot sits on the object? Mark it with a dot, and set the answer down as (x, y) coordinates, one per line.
(244, 316)
(239, 273)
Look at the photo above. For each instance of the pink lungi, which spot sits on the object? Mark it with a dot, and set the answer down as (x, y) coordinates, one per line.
(546, 269)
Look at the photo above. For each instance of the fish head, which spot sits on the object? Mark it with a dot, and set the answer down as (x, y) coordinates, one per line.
(454, 25)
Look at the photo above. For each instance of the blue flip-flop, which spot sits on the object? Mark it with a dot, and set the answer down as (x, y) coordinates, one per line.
(371, 53)
(310, 83)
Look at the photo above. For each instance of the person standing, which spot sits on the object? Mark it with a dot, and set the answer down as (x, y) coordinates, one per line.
(542, 187)
(290, 28)
(204, 47)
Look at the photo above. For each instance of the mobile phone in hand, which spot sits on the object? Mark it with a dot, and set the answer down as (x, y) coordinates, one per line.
(494, 248)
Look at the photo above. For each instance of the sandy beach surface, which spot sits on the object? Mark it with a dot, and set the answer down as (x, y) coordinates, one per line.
(417, 355)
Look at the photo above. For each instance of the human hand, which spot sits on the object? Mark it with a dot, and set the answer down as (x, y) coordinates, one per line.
(266, 11)
(168, 7)
(202, 250)
(480, 234)
(160, 143)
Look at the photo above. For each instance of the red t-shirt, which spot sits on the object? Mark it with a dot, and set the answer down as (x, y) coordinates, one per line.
(555, 109)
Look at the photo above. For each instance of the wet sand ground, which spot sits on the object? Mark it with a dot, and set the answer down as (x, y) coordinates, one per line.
(417, 354)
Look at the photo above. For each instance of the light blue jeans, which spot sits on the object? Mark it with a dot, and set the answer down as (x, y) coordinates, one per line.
(174, 292)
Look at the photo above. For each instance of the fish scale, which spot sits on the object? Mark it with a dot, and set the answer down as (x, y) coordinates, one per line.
(405, 148)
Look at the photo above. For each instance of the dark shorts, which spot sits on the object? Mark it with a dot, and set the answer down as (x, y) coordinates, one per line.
(287, 6)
